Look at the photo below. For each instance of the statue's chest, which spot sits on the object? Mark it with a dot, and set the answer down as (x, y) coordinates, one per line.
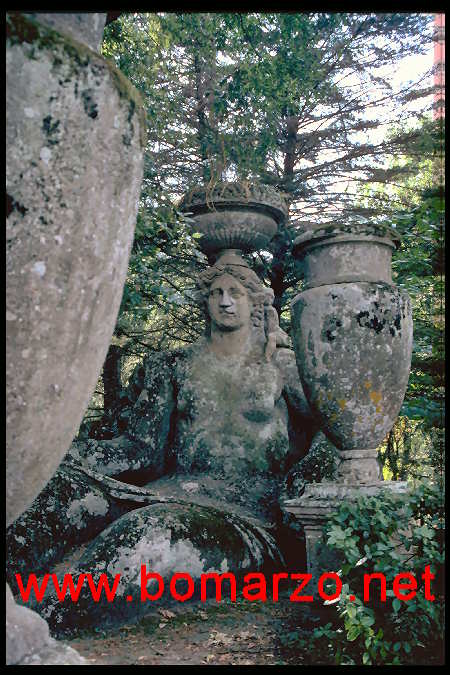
(215, 389)
(231, 419)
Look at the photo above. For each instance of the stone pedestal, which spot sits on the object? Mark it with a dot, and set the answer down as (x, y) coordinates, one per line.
(313, 509)
(359, 466)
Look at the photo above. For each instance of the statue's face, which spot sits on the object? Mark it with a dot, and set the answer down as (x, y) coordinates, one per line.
(228, 303)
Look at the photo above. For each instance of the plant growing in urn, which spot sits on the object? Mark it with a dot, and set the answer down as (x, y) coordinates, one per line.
(238, 215)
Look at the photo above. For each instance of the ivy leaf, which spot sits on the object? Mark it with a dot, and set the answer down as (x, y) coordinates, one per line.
(353, 633)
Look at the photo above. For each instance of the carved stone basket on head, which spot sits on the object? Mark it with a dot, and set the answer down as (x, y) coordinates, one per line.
(352, 330)
(234, 218)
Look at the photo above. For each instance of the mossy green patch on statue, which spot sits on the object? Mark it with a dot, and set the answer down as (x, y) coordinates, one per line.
(206, 526)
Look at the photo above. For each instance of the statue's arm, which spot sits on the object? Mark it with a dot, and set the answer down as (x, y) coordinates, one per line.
(151, 419)
(302, 424)
(139, 455)
(313, 457)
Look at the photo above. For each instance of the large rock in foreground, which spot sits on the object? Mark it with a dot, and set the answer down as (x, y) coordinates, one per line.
(167, 538)
(28, 640)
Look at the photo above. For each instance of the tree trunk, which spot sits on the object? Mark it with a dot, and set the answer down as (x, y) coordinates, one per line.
(112, 384)
(280, 249)
(391, 452)
(281, 243)
(202, 124)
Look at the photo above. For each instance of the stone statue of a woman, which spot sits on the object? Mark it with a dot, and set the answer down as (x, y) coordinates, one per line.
(193, 483)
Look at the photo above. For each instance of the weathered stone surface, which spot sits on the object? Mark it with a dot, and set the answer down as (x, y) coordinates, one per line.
(353, 345)
(68, 512)
(338, 253)
(213, 428)
(219, 409)
(28, 641)
(258, 430)
(86, 27)
(74, 149)
(166, 538)
(120, 456)
(353, 339)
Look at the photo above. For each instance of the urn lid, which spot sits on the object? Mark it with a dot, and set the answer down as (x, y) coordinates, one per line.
(315, 233)
(239, 195)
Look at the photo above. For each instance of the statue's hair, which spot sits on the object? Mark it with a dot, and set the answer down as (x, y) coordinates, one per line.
(258, 293)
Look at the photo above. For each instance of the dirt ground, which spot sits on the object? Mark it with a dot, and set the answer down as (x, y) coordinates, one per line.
(211, 633)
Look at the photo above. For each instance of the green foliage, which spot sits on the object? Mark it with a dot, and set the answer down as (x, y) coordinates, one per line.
(413, 451)
(418, 268)
(416, 209)
(388, 534)
(256, 96)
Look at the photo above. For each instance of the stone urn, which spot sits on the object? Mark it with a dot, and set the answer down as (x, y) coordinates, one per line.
(237, 215)
(75, 138)
(352, 332)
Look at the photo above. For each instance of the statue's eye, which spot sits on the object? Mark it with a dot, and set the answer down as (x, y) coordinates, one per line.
(235, 293)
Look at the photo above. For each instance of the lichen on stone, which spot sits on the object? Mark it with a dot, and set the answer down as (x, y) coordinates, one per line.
(69, 52)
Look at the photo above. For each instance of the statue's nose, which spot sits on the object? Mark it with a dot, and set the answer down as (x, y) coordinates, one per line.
(225, 299)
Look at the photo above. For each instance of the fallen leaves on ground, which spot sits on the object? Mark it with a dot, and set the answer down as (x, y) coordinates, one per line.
(226, 634)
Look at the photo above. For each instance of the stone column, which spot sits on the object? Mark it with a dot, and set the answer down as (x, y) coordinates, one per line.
(74, 145)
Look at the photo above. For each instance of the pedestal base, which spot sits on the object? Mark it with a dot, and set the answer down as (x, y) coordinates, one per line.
(359, 466)
(313, 509)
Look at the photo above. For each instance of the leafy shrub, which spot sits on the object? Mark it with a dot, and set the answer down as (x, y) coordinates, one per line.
(389, 534)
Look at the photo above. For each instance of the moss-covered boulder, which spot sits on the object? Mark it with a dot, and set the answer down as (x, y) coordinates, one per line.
(167, 539)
